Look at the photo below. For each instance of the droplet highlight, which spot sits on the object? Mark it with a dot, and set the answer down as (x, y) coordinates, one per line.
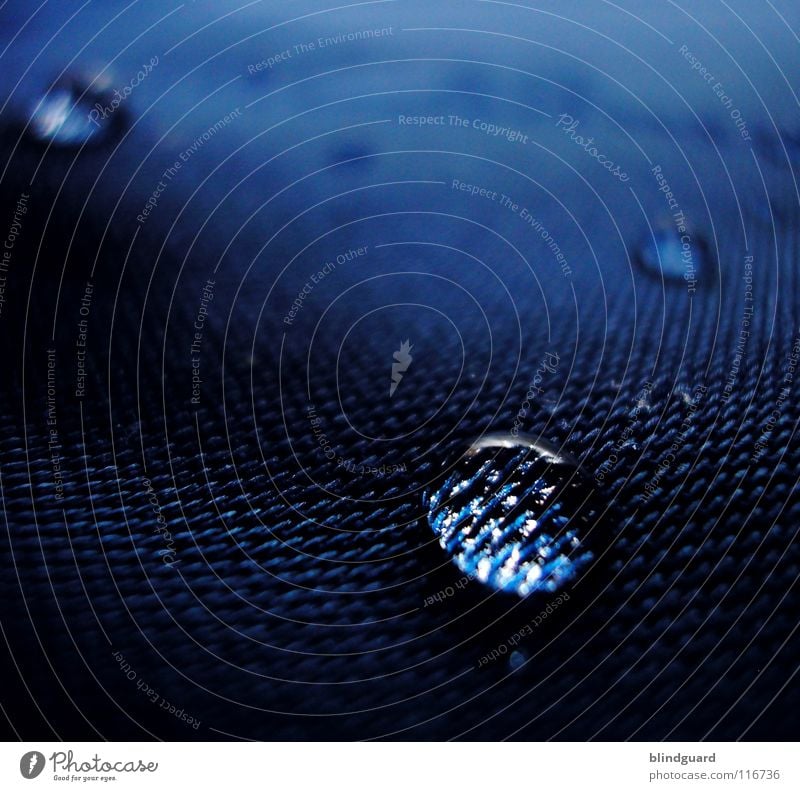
(674, 256)
(71, 114)
(514, 513)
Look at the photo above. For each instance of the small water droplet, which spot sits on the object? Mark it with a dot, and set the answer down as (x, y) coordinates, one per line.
(673, 255)
(71, 114)
(513, 513)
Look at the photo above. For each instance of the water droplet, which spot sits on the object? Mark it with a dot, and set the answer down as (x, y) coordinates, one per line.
(72, 113)
(513, 512)
(516, 659)
(673, 255)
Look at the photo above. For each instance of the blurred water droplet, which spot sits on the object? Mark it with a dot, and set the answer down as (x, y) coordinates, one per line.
(673, 255)
(513, 513)
(516, 659)
(71, 114)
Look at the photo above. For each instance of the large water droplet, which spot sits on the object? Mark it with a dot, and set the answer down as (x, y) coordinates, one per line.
(674, 256)
(514, 514)
(72, 114)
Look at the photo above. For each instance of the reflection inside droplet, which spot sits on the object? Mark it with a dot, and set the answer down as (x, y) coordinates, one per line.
(513, 514)
(70, 114)
(674, 254)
